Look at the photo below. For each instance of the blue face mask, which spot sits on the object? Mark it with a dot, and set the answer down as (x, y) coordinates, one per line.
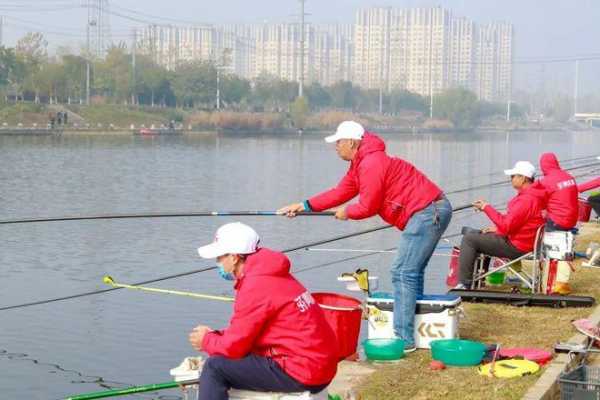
(228, 276)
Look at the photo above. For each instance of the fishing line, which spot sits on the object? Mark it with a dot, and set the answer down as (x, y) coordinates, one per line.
(91, 293)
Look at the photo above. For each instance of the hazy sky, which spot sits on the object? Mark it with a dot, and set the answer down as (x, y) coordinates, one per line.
(544, 28)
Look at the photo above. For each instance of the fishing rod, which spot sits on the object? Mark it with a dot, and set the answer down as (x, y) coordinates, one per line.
(490, 174)
(291, 249)
(134, 389)
(352, 258)
(507, 182)
(371, 251)
(164, 278)
(165, 215)
(390, 249)
(228, 213)
(110, 281)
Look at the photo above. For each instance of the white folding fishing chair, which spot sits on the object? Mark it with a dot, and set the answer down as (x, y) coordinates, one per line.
(530, 280)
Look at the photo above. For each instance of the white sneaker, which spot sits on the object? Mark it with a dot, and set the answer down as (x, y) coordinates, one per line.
(460, 286)
(409, 349)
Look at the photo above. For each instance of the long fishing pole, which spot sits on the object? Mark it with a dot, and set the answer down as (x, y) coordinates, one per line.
(490, 174)
(110, 281)
(506, 182)
(356, 257)
(85, 294)
(226, 213)
(164, 278)
(165, 215)
(372, 251)
(132, 390)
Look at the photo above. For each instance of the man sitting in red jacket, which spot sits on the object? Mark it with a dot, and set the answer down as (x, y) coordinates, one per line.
(562, 205)
(562, 191)
(514, 233)
(278, 339)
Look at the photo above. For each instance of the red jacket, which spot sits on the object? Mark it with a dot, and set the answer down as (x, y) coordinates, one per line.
(562, 196)
(523, 218)
(593, 184)
(275, 316)
(388, 186)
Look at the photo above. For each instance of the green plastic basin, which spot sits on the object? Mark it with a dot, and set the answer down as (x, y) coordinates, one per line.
(384, 349)
(458, 352)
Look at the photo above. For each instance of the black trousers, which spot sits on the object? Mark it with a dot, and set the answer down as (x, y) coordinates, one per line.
(262, 374)
(489, 244)
(552, 226)
(595, 203)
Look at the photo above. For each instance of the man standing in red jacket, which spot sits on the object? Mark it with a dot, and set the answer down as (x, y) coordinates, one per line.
(513, 234)
(402, 196)
(278, 339)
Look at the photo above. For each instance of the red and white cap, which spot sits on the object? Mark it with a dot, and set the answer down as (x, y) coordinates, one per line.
(233, 238)
(347, 130)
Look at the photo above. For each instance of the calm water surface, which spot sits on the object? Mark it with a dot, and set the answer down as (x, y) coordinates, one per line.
(130, 338)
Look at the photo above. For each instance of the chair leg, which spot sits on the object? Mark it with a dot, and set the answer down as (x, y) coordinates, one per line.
(478, 271)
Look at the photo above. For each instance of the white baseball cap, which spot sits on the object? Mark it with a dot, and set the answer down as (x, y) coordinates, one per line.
(347, 130)
(233, 238)
(524, 168)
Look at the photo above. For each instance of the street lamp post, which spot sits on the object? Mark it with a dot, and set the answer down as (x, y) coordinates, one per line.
(218, 88)
(88, 67)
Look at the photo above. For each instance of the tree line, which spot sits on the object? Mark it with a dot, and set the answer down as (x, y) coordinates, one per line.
(28, 73)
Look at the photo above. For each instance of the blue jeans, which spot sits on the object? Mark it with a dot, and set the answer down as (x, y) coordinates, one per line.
(417, 243)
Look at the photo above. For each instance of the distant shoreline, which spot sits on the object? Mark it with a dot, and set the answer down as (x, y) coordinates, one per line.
(271, 131)
(33, 120)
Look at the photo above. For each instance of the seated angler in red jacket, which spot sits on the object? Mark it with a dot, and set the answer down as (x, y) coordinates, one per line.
(278, 339)
(402, 196)
(513, 234)
(562, 201)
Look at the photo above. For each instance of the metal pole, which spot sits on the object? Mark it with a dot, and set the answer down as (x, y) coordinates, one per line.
(87, 58)
(218, 88)
(509, 102)
(430, 65)
(301, 83)
(576, 94)
(133, 54)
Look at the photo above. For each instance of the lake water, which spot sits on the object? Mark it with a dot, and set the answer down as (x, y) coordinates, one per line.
(130, 338)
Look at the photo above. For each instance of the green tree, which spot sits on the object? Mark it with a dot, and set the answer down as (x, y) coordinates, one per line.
(317, 96)
(285, 92)
(264, 90)
(343, 95)
(31, 52)
(74, 68)
(458, 105)
(195, 83)
(402, 99)
(152, 81)
(33, 47)
(299, 112)
(8, 63)
(234, 89)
